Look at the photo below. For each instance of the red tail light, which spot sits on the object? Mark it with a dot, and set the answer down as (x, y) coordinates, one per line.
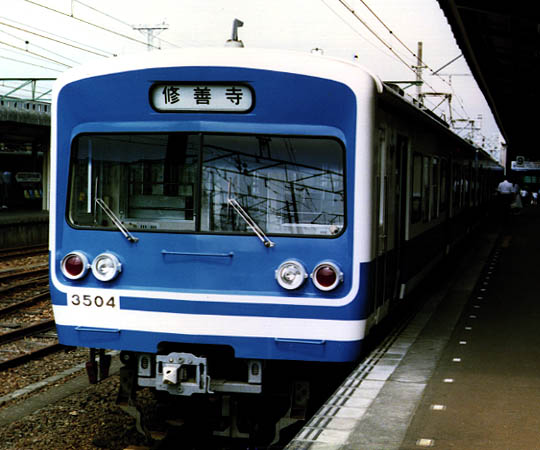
(74, 265)
(326, 276)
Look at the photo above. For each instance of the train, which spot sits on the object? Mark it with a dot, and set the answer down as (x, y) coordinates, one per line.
(236, 221)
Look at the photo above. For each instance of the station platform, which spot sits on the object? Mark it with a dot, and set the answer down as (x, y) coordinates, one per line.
(19, 227)
(464, 373)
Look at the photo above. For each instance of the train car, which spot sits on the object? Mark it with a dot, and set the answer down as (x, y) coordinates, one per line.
(231, 219)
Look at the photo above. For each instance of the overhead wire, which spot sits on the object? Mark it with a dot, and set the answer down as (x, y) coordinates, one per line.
(37, 46)
(355, 30)
(100, 12)
(374, 33)
(7, 44)
(415, 55)
(55, 38)
(116, 19)
(388, 46)
(90, 23)
(30, 63)
(420, 62)
(394, 52)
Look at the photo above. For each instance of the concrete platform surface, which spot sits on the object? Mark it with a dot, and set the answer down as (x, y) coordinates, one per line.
(466, 371)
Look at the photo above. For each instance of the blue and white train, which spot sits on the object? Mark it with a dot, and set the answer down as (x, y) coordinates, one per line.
(224, 215)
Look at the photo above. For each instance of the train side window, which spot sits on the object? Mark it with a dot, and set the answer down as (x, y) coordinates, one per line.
(444, 185)
(416, 192)
(467, 185)
(457, 186)
(435, 183)
(426, 207)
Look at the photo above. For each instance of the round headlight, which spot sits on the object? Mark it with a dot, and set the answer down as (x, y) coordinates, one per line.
(106, 267)
(326, 276)
(74, 265)
(291, 275)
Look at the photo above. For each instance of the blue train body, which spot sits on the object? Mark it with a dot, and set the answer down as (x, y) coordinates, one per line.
(266, 206)
(205, 286)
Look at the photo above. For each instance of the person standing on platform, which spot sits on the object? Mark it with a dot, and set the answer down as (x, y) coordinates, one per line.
(506, 195)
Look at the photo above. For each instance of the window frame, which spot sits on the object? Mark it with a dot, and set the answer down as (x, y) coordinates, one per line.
(198, 230)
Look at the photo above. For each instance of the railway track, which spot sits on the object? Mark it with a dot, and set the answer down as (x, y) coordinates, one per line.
(27, 329)
(22, 271)
(28, 343)
(19, 252)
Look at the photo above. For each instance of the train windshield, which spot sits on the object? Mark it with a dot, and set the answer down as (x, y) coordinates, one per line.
(182, 182)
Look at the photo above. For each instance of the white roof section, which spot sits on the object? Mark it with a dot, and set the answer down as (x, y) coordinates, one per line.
(347, 72)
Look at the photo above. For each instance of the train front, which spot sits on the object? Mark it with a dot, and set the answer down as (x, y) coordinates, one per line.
(211, 219)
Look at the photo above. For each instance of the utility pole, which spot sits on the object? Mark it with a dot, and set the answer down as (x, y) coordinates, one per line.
(418, 69)
(445, 97)
(151, 31)
(470, 125)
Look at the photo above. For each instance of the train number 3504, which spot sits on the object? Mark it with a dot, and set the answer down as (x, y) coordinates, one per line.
(93, 301)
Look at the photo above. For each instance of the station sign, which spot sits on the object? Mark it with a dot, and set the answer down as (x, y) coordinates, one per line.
(525, 165)
(201, 97)
(28, 177)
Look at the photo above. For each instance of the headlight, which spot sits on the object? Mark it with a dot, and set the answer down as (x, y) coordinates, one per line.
(326, 276)
(74, 265)
(106, 267)
(291, 275)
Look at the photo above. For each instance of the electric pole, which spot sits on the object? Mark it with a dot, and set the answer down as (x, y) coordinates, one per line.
(418, 69)
(151, 31)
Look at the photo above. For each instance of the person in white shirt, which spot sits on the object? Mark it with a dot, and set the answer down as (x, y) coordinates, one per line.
(505, 187)
(506, 195)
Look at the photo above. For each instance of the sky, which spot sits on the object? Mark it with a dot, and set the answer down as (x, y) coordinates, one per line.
(43, 38)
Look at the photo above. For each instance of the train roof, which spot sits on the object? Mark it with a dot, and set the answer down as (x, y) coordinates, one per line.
(350, 73)
(303, 63)
(396, 98)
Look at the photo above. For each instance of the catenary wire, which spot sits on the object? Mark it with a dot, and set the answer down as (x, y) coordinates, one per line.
(24, 30)
(119, 20)
(90, 23)
(7, 44)
(7, 58)
(76, 44)
(389, 47)
(394, 35)
(37, 46)
(374, 33)
(355, 30)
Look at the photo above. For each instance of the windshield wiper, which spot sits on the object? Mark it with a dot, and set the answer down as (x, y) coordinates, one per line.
(114, 218)
(251, 223)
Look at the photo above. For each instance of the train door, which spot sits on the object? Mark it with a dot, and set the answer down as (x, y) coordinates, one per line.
(394, 213)
(385, 238)
(381, 240)
(400, 209)
(391, 219)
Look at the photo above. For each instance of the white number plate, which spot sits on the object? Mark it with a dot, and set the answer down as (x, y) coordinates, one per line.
(102, 301)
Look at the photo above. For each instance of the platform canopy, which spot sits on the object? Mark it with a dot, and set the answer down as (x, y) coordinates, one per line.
(501, 43)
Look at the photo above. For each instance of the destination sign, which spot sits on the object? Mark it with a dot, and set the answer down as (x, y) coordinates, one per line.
(525, 165)
(201, 97)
